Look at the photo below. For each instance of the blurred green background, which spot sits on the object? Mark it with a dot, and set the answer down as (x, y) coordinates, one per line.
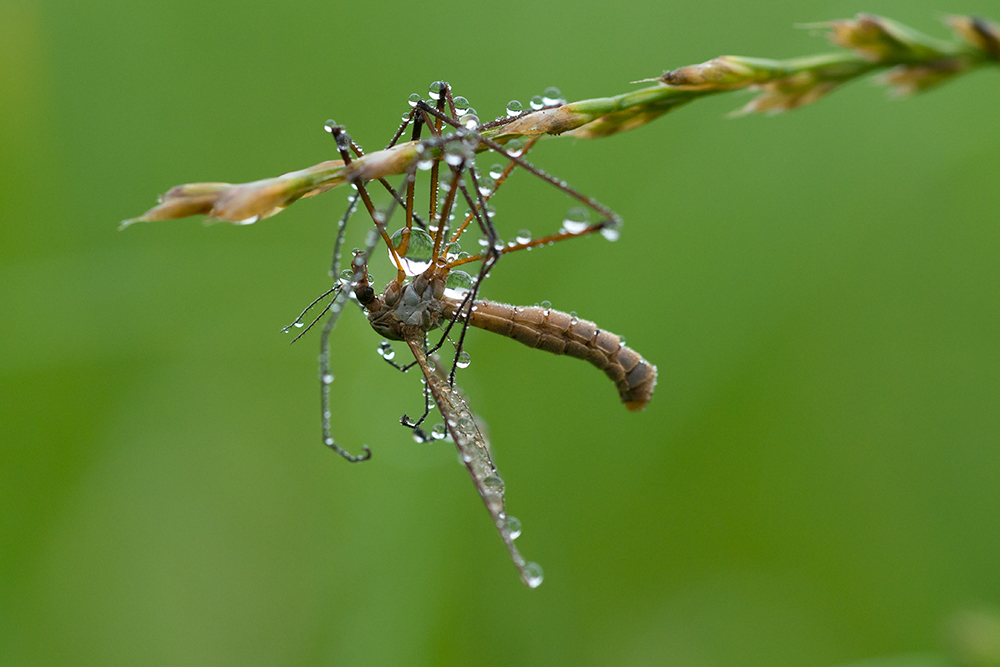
(814, 482)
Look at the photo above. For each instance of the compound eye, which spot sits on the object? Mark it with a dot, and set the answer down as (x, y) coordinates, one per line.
(365, 295)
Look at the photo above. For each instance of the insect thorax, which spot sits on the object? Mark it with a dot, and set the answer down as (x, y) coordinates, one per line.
(417, 305)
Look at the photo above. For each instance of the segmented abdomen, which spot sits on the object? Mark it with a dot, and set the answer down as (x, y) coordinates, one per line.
(561, 333)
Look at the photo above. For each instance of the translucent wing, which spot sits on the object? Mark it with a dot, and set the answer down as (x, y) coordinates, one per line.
(474, 450)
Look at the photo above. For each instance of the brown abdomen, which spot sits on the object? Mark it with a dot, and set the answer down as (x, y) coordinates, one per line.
(561, 333)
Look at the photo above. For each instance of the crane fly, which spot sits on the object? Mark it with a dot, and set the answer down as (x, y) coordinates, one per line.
(431, 291)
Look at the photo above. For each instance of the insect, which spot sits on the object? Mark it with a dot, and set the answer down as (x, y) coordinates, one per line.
(432, 292)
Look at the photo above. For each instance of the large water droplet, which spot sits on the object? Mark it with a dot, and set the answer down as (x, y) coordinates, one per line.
(470, 121)
(533, 574)
(576, 220)
(537, 102)
(439, 432)
(435, 90)
(458, 284)
(464, 359)
(523, 236)
(551, 95)
(419, 247)
(515, 147)
(546, 304)
(414, 99)
(514, 108)
(496, 171)
(461, 106)
(329, 125)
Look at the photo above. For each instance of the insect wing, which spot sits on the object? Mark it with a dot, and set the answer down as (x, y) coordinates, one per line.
(474, 451)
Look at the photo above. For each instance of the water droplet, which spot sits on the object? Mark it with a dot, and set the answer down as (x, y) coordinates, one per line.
(537, 102)
(621, 341)
(385, 350)
(456, 153)
(552, 95)
(439, 432)
(523, 236)
(347, 275)
(419, 247)
(330, 125)
(514, 108)
(493, 484)
(515, 147)
(435, 90)
(546, 304)
(458, 284)
(576, 220)
(533, 575)
(327, 379)
(486, 186)
(328, 441)
(414, 99)
(514, 526)
(464, 359)
(496, 171)
(461, 106)
(471, 121)
(611, 233)
(298, 324)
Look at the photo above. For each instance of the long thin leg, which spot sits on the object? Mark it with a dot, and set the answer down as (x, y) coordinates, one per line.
(325, 376)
